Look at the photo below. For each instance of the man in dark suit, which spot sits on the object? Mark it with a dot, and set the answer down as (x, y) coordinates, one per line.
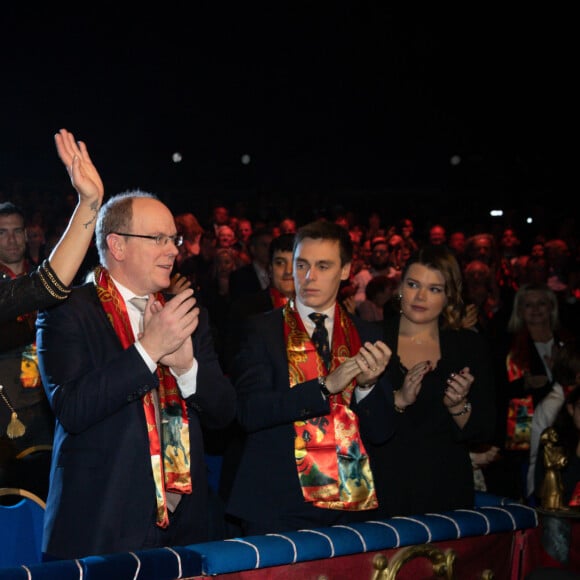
(307, 409)
(279, 291)
(131, 386)
(253, 277)
(231, 440)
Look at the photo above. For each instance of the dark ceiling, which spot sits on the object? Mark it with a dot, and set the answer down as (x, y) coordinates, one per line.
(323, 97)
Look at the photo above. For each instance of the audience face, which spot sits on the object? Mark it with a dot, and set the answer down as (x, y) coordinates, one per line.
(457, 243)
(379, 258)
(509, 240)
(288, 226)
(244, 230)
(437, 235)
(281, 271)
(537, 250)
(482, 249)
(407, 228)
(138, 263)
(423, 294)
(224, 261)
(225, 237)
(477, 280)
(12, 239)
(318, 272)
(221, 215)
(536, 308)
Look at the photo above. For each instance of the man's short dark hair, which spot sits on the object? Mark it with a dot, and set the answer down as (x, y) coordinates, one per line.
(325, 230)
(281, 243)
(9, 208)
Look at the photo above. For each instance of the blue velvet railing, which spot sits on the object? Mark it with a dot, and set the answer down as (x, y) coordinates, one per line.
(491, 515)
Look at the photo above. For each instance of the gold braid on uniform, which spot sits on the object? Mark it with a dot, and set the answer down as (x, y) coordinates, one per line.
(51, 281)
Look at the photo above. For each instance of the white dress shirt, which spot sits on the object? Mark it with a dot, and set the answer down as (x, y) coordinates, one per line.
(186, 382)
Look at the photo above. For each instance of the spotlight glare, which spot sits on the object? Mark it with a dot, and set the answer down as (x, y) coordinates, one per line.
(529, 220)
(245, 159)
(496, 212)
(455, 160)
(176, 157)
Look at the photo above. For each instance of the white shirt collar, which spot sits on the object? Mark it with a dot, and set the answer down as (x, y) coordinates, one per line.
(304, 311)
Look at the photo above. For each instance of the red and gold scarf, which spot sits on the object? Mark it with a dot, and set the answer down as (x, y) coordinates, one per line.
(332, 462)
(278, 299)
(170, 452)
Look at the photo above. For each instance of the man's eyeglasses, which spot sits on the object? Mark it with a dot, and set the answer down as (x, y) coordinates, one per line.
(160, 239)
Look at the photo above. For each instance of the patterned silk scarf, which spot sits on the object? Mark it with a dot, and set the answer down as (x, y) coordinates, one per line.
(170, 452)
(332, 462)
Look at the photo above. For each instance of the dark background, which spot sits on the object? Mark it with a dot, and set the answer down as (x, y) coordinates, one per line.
(356, 105)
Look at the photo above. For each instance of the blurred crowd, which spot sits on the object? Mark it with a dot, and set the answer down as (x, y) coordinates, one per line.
(521, 291)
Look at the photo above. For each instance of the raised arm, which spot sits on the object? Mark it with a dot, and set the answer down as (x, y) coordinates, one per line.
(50, 282)
(69, 252)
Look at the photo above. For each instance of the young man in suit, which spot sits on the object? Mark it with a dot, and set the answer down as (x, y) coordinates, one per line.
(306, 409)
(131, 386)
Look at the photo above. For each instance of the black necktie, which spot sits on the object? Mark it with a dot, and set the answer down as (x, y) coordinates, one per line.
(320, 337)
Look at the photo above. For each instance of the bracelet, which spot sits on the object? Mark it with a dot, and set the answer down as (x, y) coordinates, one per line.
(397, 408)
(322, 384)
(464, 411)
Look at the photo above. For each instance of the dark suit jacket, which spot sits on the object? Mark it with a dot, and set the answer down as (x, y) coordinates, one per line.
(240, 310)
(244, 280)
(266, 485)
(102, 494)
(24, 294)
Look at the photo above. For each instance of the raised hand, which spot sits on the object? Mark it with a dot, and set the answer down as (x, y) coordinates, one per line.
(83, 174)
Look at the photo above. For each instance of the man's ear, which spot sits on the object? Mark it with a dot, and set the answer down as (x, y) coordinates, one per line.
(116, 245)
(345, 273)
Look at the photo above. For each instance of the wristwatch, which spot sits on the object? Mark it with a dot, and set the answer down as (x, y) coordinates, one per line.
(323, 389)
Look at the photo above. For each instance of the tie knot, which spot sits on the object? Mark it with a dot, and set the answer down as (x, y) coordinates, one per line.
(139, 303)
(318, 319)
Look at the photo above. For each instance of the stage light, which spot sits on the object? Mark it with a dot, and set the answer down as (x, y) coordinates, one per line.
(496, 212)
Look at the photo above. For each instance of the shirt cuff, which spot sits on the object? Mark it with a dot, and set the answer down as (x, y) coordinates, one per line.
(187, 382)
(361, 392)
